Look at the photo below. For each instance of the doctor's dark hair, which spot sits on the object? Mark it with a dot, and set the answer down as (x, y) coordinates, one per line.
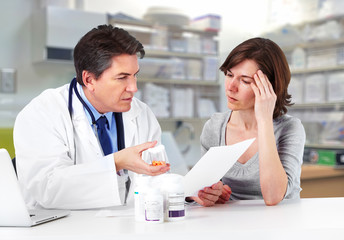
(95, 50)
(271, 60)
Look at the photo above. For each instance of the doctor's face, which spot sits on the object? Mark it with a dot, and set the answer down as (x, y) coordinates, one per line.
(113, 91)
(239, 93)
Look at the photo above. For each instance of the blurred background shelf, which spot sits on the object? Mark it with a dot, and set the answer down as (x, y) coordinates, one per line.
(317, 70)
(331, 106)
(326, 146)
(178, 81)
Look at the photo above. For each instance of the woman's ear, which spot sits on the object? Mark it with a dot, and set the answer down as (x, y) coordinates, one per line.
(88, 79)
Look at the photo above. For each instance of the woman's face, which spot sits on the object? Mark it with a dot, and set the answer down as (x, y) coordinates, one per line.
(239, 93)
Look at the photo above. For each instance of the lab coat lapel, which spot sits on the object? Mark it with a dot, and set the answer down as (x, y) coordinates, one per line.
(82, 126)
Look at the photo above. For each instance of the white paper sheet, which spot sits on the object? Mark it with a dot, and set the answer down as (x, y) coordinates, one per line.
(213, 166)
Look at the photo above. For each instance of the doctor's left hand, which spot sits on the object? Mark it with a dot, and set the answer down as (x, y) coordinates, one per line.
(131, 159)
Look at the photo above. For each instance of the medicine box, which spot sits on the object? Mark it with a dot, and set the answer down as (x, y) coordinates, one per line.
(315, 86)
(327, 157)
(209, 46)
(322, 58)
(340, 158)
(210, 68)
(194, 69)
(335, 87)
(156, 67)
(295, 89)
(209, 22)
(193, 44)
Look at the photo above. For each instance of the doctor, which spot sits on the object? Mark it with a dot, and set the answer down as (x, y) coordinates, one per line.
(62, 160)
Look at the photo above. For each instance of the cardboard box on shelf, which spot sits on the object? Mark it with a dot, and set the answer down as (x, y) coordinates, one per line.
(315, 86)
(209, 22)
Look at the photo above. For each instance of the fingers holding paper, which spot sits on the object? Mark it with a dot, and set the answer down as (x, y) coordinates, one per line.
(226, 193)
(209, 195)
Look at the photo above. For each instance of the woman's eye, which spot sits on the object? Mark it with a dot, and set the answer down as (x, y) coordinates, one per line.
(245, 81)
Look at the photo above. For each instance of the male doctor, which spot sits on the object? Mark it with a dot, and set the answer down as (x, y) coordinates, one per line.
(62, 158)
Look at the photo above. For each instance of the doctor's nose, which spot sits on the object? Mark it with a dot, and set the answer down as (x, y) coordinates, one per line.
(132, 85)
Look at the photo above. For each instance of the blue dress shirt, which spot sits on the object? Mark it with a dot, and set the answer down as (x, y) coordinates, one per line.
(112, 131)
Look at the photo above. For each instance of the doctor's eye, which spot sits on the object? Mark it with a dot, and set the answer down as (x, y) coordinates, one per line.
(122, 77)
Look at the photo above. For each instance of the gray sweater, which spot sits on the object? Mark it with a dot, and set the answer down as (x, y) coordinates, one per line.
(244, 178)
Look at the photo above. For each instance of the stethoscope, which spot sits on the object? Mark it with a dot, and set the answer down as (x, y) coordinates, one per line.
(73, 86)
(118, 117)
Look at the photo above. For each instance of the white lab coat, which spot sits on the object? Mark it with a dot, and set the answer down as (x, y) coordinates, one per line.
(47, 145)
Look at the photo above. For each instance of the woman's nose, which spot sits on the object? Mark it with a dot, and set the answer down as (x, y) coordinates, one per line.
(232, 84)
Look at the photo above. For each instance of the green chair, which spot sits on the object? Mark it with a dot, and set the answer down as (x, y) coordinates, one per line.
(6, 140)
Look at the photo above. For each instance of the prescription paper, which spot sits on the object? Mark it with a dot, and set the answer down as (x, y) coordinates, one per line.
(213, 166)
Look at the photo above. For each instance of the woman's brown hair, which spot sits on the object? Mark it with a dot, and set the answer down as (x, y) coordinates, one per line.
(271, 60)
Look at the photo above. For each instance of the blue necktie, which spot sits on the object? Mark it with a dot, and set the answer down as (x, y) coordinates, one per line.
(104, 138)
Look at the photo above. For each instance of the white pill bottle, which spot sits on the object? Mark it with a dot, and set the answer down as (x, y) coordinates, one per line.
(154, 205)
(142, 183)
(174, 199)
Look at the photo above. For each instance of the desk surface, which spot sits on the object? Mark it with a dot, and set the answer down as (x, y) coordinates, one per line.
(311, 218)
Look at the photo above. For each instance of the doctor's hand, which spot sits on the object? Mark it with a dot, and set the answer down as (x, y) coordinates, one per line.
(265, 97)
(209, 195)
(131, 159)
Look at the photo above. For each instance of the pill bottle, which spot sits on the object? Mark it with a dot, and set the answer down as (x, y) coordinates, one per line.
(142, 183)
(154, 206)
(174, 200)
(155, 156)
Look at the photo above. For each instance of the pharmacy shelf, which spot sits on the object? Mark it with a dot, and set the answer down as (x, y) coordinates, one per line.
(325, 146)
(316, 70)
(319, 44)
(322, 20)
(141, 23)
(335, 105)
(178, 81)
(166, 48)
(169, 54)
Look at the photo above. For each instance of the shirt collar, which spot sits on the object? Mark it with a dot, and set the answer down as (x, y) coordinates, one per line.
(95, 113)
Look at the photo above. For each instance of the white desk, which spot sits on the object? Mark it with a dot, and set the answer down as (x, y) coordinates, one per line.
(311, 218)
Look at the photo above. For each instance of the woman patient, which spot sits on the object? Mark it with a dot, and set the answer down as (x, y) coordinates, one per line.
(256, 82)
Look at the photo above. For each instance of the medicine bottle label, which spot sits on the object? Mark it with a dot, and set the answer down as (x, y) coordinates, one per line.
(154, 211)
(176, 207)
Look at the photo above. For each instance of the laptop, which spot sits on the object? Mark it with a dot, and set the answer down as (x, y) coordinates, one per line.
(13, 211)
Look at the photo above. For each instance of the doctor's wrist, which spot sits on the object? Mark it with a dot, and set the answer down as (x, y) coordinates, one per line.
(117, 160)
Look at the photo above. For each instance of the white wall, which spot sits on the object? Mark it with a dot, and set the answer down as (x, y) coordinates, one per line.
(15, 49)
